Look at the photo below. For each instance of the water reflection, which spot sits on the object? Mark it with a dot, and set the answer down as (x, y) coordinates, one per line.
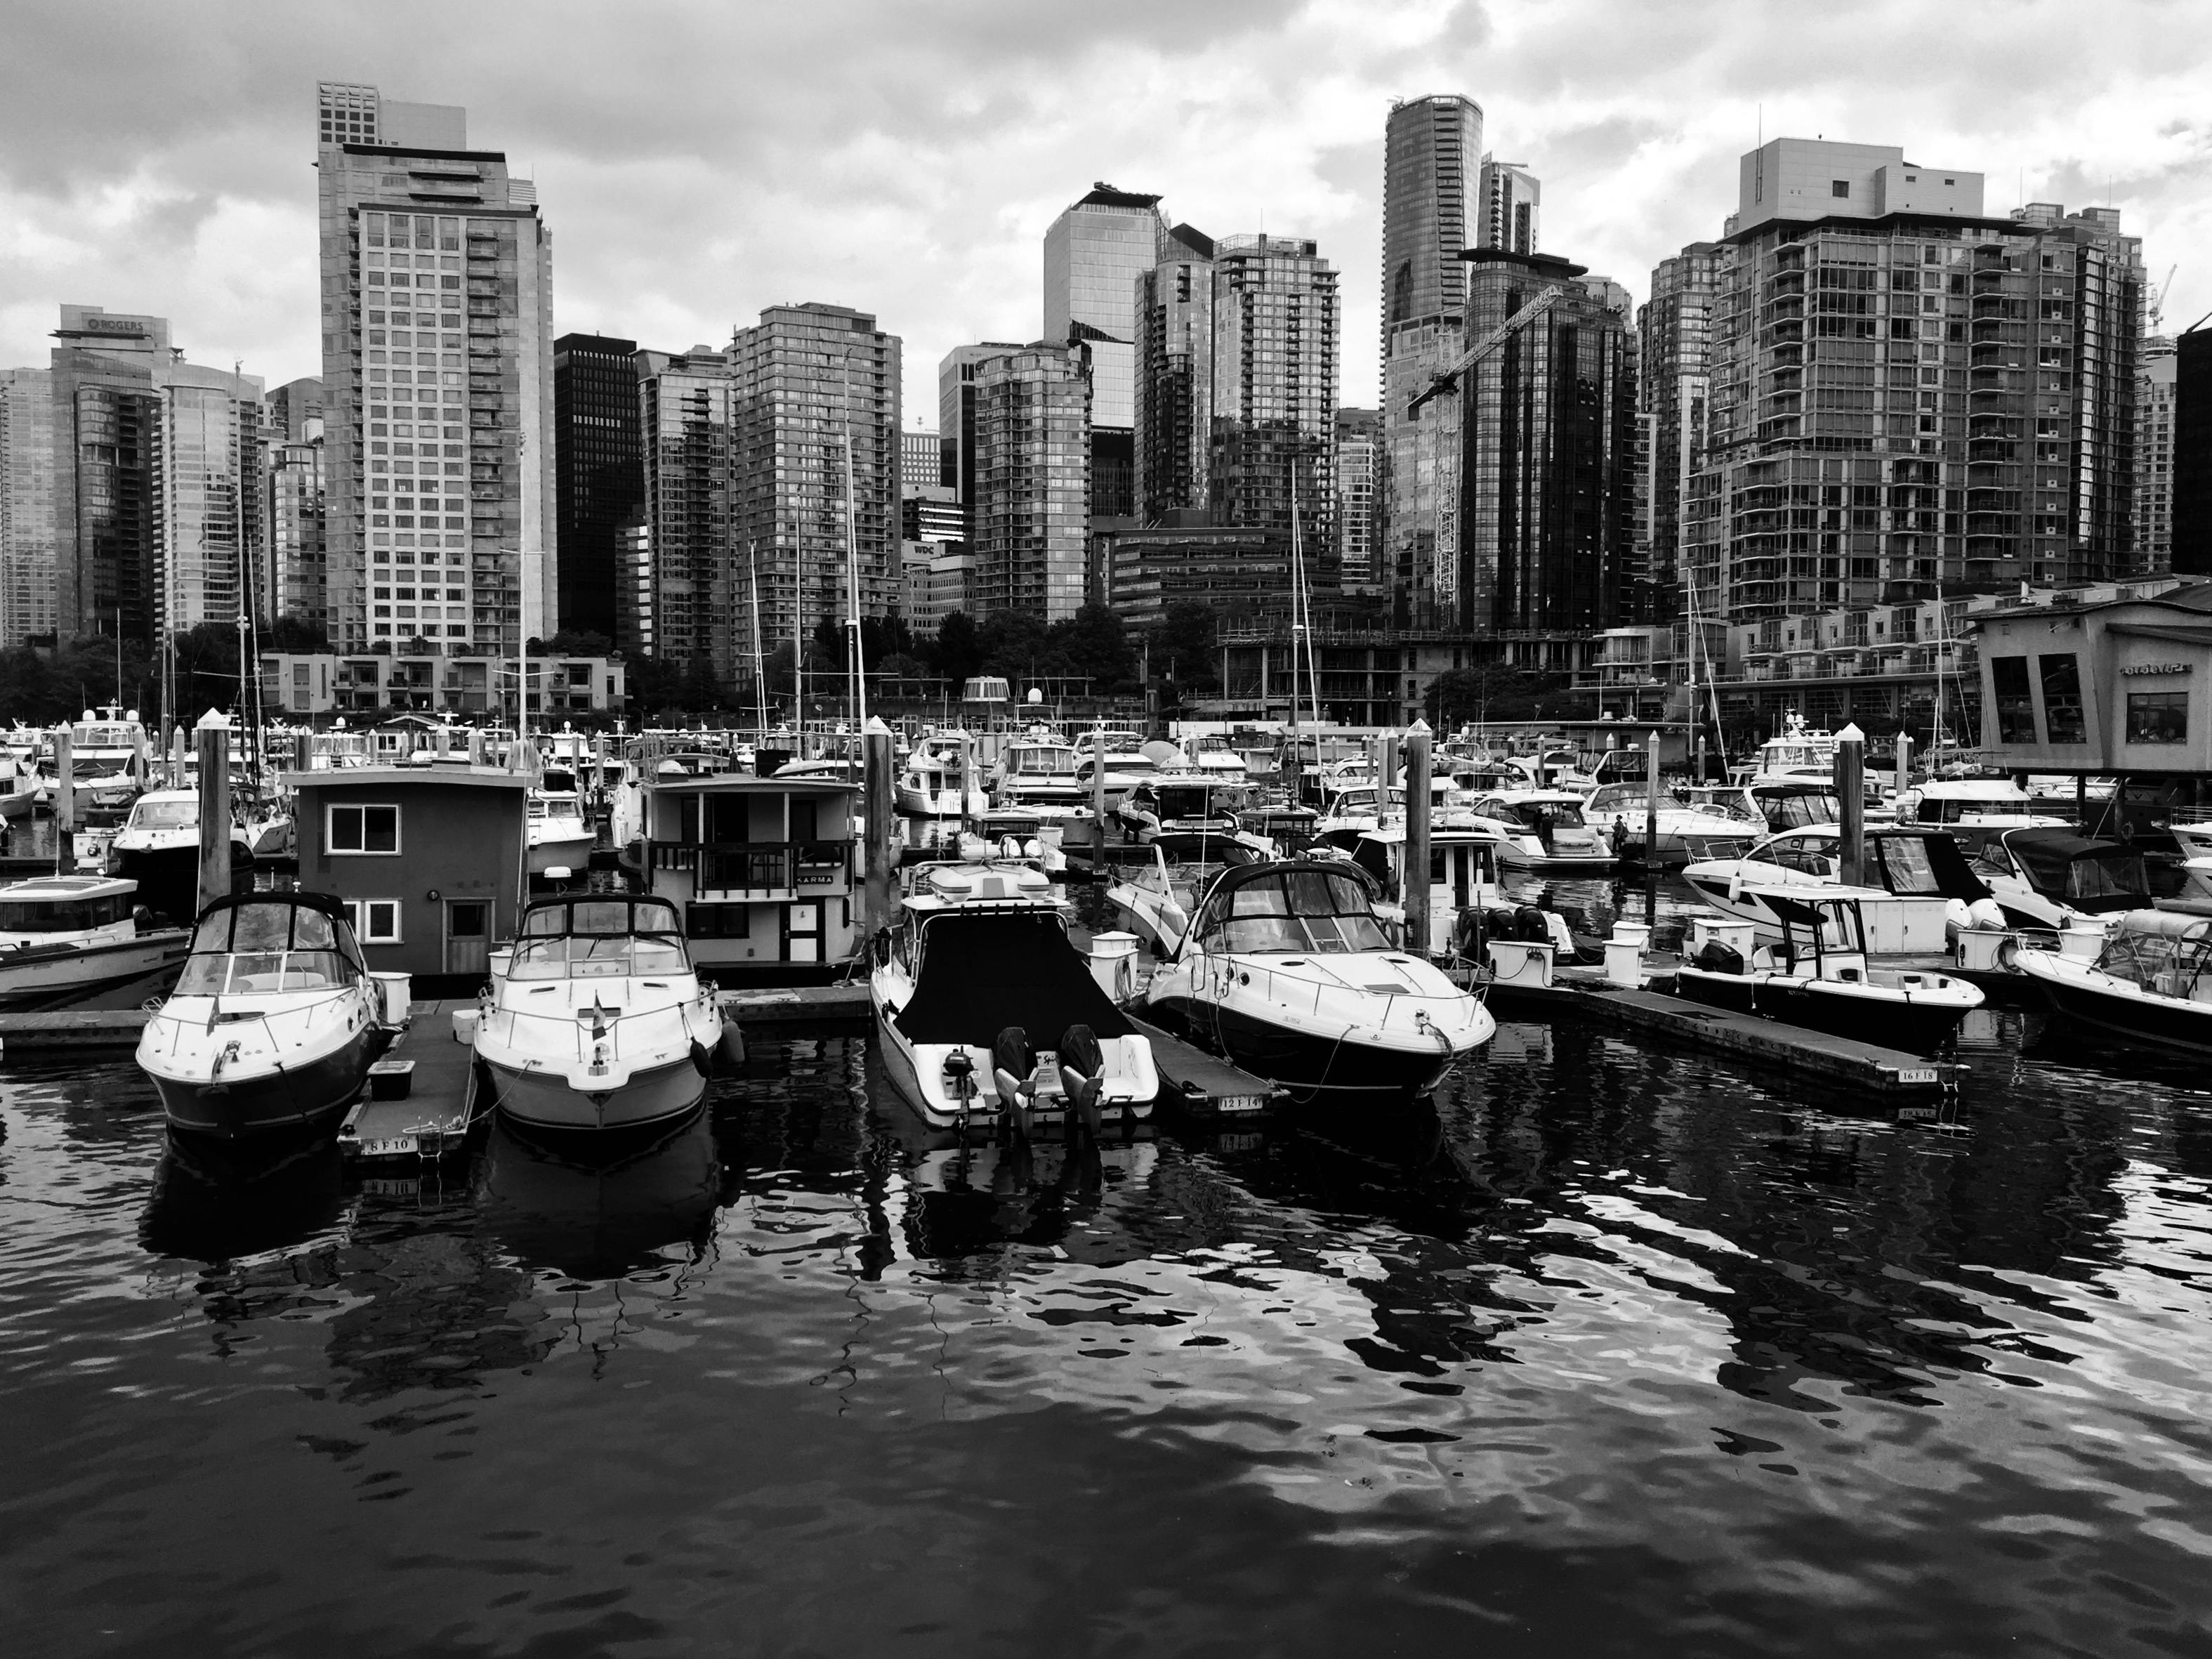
(594, 1214)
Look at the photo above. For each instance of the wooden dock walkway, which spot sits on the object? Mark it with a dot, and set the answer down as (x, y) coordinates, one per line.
(70, 1028)
(799, 1005)
(441, 1104)
(1745, 1036)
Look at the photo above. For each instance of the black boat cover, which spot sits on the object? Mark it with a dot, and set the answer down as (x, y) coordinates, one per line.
(2093, 876)
(983, 973)
(1922, 862)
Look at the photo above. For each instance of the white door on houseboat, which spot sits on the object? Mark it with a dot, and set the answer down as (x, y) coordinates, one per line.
(802, 932)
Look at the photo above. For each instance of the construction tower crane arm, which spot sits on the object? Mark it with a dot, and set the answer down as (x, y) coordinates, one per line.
(1447, 381)
(2157, 307)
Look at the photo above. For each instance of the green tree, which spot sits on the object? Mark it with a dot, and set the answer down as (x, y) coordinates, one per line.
(1184, 648)
(1491, 691)
(957, 652)
(1093, 643)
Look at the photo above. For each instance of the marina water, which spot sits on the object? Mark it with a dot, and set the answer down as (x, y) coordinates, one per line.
(1614, 1351)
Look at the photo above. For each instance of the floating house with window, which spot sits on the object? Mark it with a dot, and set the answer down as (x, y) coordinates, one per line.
(429, 860)
(2101, 682)
(765, 872)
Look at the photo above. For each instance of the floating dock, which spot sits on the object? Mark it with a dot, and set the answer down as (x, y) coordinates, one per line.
(799, 1005)
(71, 1028)
(1200, 1084)
(1745, 1036)
(441, 1104)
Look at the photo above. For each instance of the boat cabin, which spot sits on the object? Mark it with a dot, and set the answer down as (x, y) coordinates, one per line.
(55, 909)
(429, 861)
(2094, 877)
(2166, 953)
(765, 872)
(1321, 907)
(601, 936)
(265, 944)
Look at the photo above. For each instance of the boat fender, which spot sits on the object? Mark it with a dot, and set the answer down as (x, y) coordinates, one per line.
(703, 1057)
(733, 1042)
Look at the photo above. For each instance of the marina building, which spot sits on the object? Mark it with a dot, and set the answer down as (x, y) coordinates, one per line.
(437, 308)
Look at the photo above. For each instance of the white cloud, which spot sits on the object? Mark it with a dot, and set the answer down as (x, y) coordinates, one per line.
(697, 163)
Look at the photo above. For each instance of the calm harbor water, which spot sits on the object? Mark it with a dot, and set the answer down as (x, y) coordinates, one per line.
(1613, 1351)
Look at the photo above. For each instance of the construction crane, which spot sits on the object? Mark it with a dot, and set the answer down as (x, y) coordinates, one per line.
(2158, 299)
(1447, 381)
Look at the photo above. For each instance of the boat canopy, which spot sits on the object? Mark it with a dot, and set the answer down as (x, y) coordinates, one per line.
(1923, 865)
(2147, 945)
(2093, 876)
(996, 969)
(1322, 908)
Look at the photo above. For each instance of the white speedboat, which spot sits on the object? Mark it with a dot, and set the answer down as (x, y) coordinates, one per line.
(1157, 901)
(561, 833)
(1286, 970)
(1979, 803)
(1816, 975)
(1621, 813)
(159, 848)
(2050, 878)
(596, 1020)
(1184, 804)
(938, 780)
(2151, 983)
(1902, 862)
(1036, 771)
(1541, 829)
(274, 1023)
(980, 953)
(64, 937)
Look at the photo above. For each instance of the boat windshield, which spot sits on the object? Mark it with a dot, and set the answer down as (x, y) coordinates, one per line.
(606, 956)
(1306, 911)
(263, 948)
(165, 815)
(1051, 761)
(601, 918)
(2159, 951)
(1798, 809)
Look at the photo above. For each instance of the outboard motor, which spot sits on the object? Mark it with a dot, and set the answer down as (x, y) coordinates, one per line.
(1082, 1074)
(1013, 1064)
(1531, 924)
(1719, 958)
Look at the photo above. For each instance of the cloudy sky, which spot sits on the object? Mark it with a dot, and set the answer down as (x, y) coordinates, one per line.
(698, 162)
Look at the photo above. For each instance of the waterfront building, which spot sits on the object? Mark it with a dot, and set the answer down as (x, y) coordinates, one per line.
(437, 372)
(300, 683)
(1275, 328)
(1185, 557)
(940, 579)
(807, 377)
(1908, 395)
(294, 507)
(1509, 197)
(1031, 507)
(158, 484)
(1672, 385)
(1547, 430)
(27, 474)
(929, 508)
(2192, 453)
(1174, 376)
(1358, 464)
(1094, 253)
(633, 623)
(956, 415)
(687, 403)
(2156, 381)
(598, 474)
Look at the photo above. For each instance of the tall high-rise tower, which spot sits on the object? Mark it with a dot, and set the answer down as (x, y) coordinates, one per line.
(1509, 196)
(1431, 178)
(437, 310)
(1094, 253)
(1274, 393)
(600, 480)
(27, 504)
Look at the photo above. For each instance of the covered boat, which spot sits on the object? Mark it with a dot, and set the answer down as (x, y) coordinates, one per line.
(275, 1021)
(597, 1020)
(1816, 976)
(1932, 886)
(2045, 879)
(978, 953)
(159, 848)
(2151, 983)
(1286, 970)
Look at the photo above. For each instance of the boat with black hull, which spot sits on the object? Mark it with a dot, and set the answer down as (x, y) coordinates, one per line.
(63, 938)
(2151, 983)
(1816, 976)
(1286, 970)
(274, 1023)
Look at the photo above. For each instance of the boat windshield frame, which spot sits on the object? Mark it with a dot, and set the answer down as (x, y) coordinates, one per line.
(316, 948)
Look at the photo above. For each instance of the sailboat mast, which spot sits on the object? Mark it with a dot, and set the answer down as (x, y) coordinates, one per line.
(1305, 606)
(855, 663)
(760, 661)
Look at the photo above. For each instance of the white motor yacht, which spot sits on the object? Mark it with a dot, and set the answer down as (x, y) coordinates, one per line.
(1541, 829)
(981, 952)
(1157, 901)
(1920, 887)
(1621, 811)
(1286, 970)
(561, 836)
(2150, 983)
(64, 937)
(159, 848)
(938, 779)
(275, 1021)
(595, 1020)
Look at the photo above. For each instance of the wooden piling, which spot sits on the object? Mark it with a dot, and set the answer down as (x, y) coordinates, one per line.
(1850, 787)
(64, 801)
(1416, 883)
(213, 736)
(879, 902)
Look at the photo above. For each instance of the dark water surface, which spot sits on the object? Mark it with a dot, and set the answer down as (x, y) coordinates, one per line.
(1614, 1351)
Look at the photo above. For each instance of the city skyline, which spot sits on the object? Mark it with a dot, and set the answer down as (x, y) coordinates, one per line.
(677, 224)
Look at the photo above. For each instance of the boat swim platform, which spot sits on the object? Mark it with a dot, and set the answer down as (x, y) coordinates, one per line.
(443, 1104)
(1840, 1060)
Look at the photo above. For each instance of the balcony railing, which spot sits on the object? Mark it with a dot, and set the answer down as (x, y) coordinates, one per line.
(757, 867)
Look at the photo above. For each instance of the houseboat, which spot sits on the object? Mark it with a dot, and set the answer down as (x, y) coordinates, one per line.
(765, 872)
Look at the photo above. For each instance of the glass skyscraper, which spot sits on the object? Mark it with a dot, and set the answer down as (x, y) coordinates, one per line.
(599, 477)
(1029, 512)
(27, 504)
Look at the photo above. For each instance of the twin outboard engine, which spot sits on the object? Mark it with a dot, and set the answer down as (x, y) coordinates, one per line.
(1719, 958)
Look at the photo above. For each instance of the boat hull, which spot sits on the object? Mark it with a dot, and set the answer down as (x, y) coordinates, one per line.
(545, 1100)
(35, 980)
(570, 853)
(1310, 1064)
(1873, 1014)
(312, 1095)
(2167, 1023)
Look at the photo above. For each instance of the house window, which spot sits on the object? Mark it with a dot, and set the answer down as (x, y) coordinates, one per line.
(362, 829)
(718, 920)
(2157, 717)
(2015, 704)
(1839, 187)
(2061, 698)
(375, 921)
